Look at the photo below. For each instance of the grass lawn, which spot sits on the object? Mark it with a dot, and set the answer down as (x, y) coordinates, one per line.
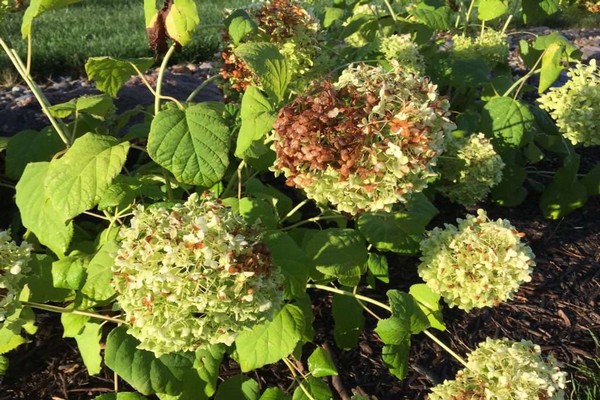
(65, 38)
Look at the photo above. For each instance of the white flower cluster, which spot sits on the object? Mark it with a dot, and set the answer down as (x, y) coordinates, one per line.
(399, 135)
(490, 46)
(500, 369)
(480, 263)
(192, 276)
(469, 168)
(576, 105)
(14, 260)
(402, 49)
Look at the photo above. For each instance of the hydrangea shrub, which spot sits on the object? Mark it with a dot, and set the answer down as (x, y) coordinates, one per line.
(500, 369)
(491, 46)
(404, 51)
(365, 142)
(576, 105)
(193, 275)
(478, 263)
(14, 260)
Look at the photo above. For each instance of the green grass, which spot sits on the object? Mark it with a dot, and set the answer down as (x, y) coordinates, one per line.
(64, 39)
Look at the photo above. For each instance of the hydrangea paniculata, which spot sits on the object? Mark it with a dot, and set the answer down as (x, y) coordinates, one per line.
(479, 263)
(500, 369)
(576, 105)
(193, 275)
(470, 167)
(14, 261)
(402, 49)
(490, 46)
(363, 143)
(287, 25)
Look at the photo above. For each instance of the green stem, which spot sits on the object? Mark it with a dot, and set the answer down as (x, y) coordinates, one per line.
(293, 210)
(519, 83)
(200, 87)
(161, 74)
(295, 377)
(389, 309)
(35, 89)
(6, 185)
(391, 10)
(468, 16)
(29, 54)
(232, 180)
(308, 221)
(63, 310)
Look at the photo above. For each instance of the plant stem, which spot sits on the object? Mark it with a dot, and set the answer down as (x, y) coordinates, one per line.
(161, 73)
(201, 86)
(35, 89)
(295, 377)
(308, 221)
(389, 309)
(468, 16)
(391, 10)
(29, 55)
(293, 210)
(63, 310)
(521, 81)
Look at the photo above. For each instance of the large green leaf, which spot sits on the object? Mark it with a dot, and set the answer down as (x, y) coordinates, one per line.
(433, 13)
(239, 24)
(393, 231)
(265, 60)
(340, 253)
(40, 282)
(551, 67)
(88, 342)
(317, 388)
(182, 20)
(537, 10)
(30, 146)
(169, 374)
(395, 357)
(69, 272)
(257, 115)
(100, 106)
(321, 364)
(566, 193)
(37, 7)
(274, 394)
(429, 302)
(294, 262)
(510, 191)
(37, 211)
(508, 122)
(405, 308)
(76, 182)
(207, 364)
(110, 74)
(491, 9)
(120, 396)
(269, 342)
(238, 387)
(192, 144)
(378, 266)
(98, 285)
(349, 320)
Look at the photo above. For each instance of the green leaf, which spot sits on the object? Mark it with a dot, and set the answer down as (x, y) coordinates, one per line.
(238, 387)
(120, 396)
(253, 210)
(321, 364)
(332, 14)
(294, 262)
(551, 67)
(433, 13)
(393, 231)
(37, 7)
(30, 146)
(207, 363)
(566, 193)
(73, 324)
(537, 10)
(99, 106)
(4, 365)
(12, 327)
(258, 116)
(508, 122)
(510, 191)
(592, 181)
(491, 9)
(274, 394)
(269, 342)
(88, 342)
(349, 320)
(69, 272)
(110, 74)
(240, 24)
(37, 212)
(281, 203)
(429, 302)
(317, 388)
(192, 144)
(407, 311)
(340, 253)
(76, 182)
(378, 265)
(39, 281)
(142, 370)
(265, 60)
(182, 20)
(98, 285)
(395, 357)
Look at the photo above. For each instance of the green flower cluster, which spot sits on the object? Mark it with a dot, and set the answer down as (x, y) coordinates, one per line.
(14, 260)
(364, 143)
(402, 49)
(193, 275)
(480, 263)
(470, 168)
(576, 105)
(500, 369)
(490, 46)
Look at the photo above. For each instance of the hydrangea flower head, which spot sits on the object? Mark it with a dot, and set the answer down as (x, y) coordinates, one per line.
(576, 105)
(478, 263)
(14, 261)
(470, 168)
(402, 49)
(193, 275)
(363, 143)
(287, 25)
(500, 369)
(490, 46)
